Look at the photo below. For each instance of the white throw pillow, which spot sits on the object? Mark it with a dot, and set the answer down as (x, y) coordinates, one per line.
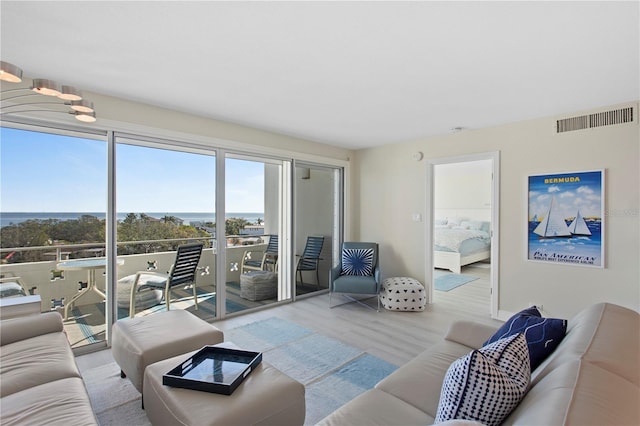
(486, 384)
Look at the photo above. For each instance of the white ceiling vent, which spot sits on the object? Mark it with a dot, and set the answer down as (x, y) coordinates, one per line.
(605, 118)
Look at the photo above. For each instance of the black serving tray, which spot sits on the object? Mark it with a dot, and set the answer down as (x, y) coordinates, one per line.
(213, 369)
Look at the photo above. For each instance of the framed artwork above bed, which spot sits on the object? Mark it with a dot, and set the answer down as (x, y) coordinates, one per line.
(566, 218)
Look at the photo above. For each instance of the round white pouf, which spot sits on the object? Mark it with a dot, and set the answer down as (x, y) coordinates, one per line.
(403, 294)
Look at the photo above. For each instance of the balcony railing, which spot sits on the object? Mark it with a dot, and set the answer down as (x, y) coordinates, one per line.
(56, 287)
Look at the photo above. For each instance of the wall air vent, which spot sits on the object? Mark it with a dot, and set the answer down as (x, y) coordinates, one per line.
(605, 118)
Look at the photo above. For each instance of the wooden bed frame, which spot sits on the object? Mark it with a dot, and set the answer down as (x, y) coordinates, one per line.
(454, 262)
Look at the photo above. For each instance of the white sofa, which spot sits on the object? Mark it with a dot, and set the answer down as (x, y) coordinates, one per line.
(592, 377)
(39, 381)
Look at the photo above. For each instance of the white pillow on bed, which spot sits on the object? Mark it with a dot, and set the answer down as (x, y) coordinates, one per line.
(454, 221)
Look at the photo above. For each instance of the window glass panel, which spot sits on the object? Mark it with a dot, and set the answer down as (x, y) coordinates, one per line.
(165, 208)
(317, 207)
(253, 216)
(53, 195)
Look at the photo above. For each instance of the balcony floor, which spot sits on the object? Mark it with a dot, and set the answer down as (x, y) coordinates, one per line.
(86, 323)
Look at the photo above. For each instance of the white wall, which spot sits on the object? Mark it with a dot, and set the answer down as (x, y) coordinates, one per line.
(117, 114)
(463, 190)
(390, 187)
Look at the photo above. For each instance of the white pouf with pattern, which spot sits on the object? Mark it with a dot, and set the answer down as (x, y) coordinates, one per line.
(402, 294)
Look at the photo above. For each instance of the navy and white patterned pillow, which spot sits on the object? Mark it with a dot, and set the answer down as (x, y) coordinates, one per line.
(543, 335)
(486, 384)
(357, 262)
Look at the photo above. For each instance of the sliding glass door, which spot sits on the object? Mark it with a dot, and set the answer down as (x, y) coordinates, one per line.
(53, 203)
(317, 230)
(85, 213)
(254, 190)
(165, 202)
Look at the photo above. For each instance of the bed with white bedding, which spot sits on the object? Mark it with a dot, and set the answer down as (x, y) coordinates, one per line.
(459, 244)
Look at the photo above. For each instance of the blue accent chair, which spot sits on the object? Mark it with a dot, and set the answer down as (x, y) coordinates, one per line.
(358, 271)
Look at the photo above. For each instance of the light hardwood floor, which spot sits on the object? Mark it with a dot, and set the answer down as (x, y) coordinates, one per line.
(396, 337)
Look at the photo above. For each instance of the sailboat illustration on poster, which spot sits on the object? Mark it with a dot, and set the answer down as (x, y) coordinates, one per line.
(579, 226)
(553, 224)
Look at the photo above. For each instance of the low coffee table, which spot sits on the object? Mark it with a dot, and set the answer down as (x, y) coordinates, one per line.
(265, 397)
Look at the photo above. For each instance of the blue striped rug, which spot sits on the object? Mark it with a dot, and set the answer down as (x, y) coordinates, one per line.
(333, 372)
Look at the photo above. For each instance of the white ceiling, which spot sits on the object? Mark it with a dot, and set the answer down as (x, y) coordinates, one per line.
(351, 74)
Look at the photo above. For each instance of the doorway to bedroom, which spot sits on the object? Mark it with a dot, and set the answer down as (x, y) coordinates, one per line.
(463, 225)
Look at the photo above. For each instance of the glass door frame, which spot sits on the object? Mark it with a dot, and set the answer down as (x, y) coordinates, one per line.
(338, 228)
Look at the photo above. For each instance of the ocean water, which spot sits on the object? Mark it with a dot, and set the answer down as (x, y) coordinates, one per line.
(8, 218)
(576, 250)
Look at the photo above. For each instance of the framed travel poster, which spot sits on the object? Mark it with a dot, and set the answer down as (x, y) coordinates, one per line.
(566, 218)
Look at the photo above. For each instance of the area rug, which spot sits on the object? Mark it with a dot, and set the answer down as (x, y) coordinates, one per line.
(449, 281)
(115, 401)
(333, 372)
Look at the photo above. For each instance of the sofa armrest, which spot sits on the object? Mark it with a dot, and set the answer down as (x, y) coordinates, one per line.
(21, 328)
(469, 333)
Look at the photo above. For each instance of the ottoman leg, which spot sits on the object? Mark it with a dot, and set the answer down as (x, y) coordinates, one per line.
(122, 375)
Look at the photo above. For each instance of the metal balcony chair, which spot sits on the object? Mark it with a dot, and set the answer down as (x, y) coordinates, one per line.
(357, 273)
(182, 272)
(258, 260)
(310, 258)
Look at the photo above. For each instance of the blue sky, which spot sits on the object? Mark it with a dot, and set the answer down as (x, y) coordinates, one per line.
(582, 192)
(40, 172)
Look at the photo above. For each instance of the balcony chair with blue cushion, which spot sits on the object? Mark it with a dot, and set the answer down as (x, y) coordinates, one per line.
(257, 260)
(183, 272)
(358, 271)
(310, 258)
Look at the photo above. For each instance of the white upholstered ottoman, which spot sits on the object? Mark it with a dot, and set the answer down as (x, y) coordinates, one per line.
(265, 397)
(138, 342)
(403, 294)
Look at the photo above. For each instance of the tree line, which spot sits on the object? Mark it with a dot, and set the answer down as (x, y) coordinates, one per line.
(90, 229)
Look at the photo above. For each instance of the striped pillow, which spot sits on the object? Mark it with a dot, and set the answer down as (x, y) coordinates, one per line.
(543, 334)
(357, 262)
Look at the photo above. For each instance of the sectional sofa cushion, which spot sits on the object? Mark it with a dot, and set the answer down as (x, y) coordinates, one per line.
(31, 362)
(486, 384)
(543, 335)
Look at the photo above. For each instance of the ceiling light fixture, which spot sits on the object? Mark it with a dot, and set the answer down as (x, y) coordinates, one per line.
(81, 108)
(70, 93)
(87, 117)
(10, 73)
(82, 105)
(46, 87)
